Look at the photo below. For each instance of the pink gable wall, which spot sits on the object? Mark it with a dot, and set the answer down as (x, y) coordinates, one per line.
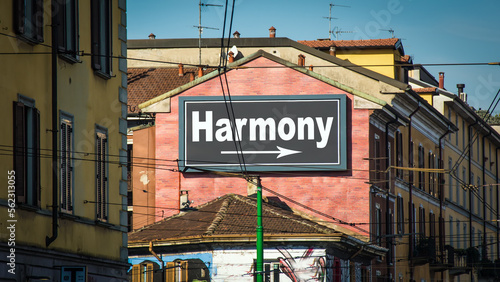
(343, 195)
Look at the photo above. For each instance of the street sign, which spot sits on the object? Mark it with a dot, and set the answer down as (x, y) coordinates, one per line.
(267, 133)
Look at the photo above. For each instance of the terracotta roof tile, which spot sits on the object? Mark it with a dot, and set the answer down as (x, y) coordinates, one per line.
(229, 215)
(388, 42)
(145, 84)
(425, 90)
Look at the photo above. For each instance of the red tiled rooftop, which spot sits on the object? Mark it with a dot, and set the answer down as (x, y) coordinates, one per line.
(388, 42)
(145, 84)
(425, 90)
(229, 215)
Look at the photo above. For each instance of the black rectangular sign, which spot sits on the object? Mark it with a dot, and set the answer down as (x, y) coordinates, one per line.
(271, 133)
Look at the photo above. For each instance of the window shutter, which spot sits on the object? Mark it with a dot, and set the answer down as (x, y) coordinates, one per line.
(149, 272)
(104, 178)
(99, 178)
(64, 171)
(60, 17)
(19, 151)
(19, 17)
(136, 273)
(170, 272)
(36, 162)
(69, 183)
(95, 34)
(184, 271)
(38, 18)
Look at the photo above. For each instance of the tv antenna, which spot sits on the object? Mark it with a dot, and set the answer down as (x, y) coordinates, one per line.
(339, 31)
(329, 18)
(390, 30)
(200, 27)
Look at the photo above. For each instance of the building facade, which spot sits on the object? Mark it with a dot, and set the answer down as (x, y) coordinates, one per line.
(63, 93)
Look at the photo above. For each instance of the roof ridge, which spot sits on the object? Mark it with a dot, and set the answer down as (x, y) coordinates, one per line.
(220, 215)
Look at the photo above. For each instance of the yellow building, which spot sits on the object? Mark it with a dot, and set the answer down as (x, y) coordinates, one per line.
(471, 186)
(379, 55)
(63, 166)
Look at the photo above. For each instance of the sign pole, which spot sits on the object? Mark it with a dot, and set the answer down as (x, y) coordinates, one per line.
(260, 235)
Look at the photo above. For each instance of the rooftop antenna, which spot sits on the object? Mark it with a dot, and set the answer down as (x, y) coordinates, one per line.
(338, 31)
(329, 18)
(390, 30)
(200, 27)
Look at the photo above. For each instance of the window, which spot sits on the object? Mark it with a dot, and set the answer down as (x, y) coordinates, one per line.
(67, 32)
(432, 175)
(456, 133)
(459, 238)
(449, 118)
(102, 174)
(401, 218)
(464, 239)
(472, 194)
(471, 143)
(451, 231)
(101, 36)
(27, 151)
(66, 170)
(421, 221)
(377, 161)
(463, 134)
(28, 20)
(399, 154)
(464, 191)
(378, 225)
(432, 225)
(421, 165)
(411, 164)
(450, 179)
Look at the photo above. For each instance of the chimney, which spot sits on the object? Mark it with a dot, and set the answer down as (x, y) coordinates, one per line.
(200, 72)
(181, 70)
(460, 87)
(272, 32)
(251, 186)
(441, 80)
(333, 51)
(302, 60)
(152, 36)
(231, 56)
(311, 67)
(184, 202)
(191, 76)
(236, 34)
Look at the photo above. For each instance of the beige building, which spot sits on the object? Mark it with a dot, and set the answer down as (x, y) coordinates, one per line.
(63, 162)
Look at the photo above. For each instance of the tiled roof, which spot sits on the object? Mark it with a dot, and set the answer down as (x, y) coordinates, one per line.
(425, 90)
(388, 42)
(145, 84)
(229, 215)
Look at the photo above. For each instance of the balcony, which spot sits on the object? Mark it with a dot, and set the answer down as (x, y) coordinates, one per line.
(463, 260)
(425, 251)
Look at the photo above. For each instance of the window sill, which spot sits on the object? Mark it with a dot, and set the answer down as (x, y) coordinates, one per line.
(70, 58)
(67, 215)
(28, 40)
(27, 207)
(103, 75)
(102, 223)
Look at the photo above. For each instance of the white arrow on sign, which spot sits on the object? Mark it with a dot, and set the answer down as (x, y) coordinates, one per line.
(282, 152)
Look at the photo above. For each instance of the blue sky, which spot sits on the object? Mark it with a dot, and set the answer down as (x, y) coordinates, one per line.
(441, 31)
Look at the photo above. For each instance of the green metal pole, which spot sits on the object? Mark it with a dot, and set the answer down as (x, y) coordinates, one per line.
(260, 235)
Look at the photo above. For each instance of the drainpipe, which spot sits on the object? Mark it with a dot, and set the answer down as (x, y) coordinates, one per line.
(484, 191)
(55, 23)
(470, 176)
(388, 177)
(441, 194)
(159, 259)
(410, 188)
(498, 204)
